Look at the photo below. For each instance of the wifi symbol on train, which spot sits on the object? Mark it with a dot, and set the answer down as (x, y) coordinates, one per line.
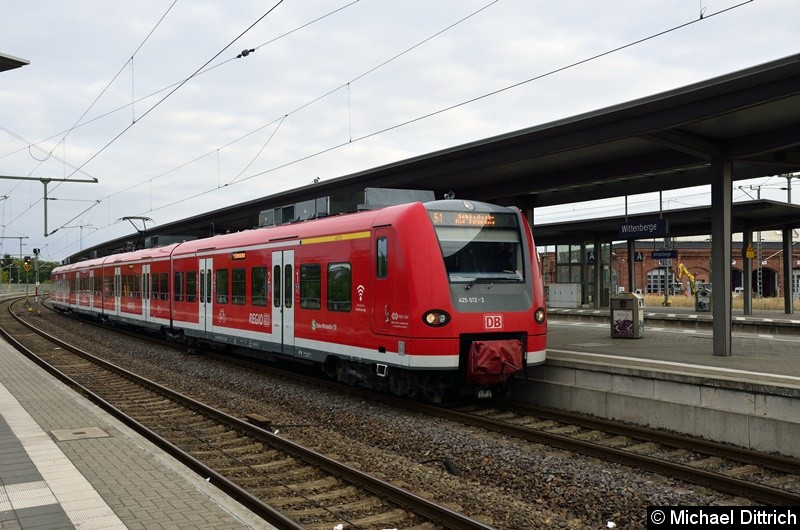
(360, 290)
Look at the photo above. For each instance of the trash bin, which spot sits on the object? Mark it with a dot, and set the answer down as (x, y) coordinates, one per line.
(702, 299)
(627, 316)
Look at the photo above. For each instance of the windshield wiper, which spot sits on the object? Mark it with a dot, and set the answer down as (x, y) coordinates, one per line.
(491, 279)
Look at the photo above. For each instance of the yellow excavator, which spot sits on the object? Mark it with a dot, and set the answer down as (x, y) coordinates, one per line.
(683, 270)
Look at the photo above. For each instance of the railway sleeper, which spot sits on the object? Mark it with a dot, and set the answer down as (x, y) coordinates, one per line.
(302, 473)
(393, 517)
(245, 450)
(359, 506)
(301, 488)
(338, 493)
(275, 464)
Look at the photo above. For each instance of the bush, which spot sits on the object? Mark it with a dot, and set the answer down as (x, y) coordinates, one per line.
(759, 304)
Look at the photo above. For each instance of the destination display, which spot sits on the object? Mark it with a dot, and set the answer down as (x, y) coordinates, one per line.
(475, 219)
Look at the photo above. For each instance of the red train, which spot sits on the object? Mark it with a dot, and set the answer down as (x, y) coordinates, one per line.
(415, 299)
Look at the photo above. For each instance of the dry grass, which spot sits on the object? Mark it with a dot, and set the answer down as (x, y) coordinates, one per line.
(759, 304)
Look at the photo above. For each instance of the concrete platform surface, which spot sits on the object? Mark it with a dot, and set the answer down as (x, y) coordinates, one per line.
(669, 378)
(65, 463)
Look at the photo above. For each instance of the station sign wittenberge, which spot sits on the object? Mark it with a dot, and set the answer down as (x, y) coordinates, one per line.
(644, 229)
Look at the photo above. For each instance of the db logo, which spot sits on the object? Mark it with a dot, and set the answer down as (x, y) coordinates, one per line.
(492, 321)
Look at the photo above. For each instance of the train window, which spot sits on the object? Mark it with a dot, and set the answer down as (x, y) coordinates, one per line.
(481, 255)
(137, 286)
(154, 286)
(276, 286)
(339, 287)
(310, 286)
(239, 286)
(191, 286)
(288, 292)
(208, 286)
(179, 287)
(259, 286)
(108, 285)
(164, 286)
(222, 286)
(382, 257)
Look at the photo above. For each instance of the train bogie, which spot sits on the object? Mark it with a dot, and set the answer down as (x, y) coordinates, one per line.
(412, 299)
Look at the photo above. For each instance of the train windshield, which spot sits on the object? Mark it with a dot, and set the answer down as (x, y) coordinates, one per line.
(480, 247)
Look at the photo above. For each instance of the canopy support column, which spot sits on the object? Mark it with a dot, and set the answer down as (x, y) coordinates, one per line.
(721, 204)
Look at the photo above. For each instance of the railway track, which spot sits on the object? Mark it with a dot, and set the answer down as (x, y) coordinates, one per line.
(764, 478)
(286, 484)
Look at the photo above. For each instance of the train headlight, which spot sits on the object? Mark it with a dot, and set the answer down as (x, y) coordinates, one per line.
(538, 316)
(436, 318)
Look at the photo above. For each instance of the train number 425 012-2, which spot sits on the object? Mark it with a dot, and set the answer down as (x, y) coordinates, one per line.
(471, 299)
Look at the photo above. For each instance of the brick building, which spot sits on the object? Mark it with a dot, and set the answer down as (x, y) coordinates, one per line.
(578, 264)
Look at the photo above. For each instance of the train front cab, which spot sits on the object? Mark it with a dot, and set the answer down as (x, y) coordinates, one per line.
(442, 304)
(495, 289)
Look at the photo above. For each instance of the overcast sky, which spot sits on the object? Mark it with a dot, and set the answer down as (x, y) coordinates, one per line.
(149, 97)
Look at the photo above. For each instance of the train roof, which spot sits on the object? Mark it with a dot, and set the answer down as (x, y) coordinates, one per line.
(324, 226)
(339, 224)
(125, 257)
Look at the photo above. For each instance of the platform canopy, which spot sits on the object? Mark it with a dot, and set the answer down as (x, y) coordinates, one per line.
(756, 216)
(665, 141)
(9, 62)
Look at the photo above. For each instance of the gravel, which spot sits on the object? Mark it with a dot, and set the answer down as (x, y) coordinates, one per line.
(505, 482)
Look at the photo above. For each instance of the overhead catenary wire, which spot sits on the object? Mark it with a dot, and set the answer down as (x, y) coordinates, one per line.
(448, 108)
(308, 103)
(196, 72)
(49, 154)
(175, 89)
(494, 92)
(114, 78)
(445, 109)
(171, 86)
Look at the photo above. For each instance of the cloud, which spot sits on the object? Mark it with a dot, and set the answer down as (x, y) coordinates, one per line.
(255, 118)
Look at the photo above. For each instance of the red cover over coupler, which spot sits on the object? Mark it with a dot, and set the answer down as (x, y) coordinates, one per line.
(493, 361)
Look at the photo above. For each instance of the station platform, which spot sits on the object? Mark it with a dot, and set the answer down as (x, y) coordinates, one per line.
(765, 349)
(760, 321)
(65, 463)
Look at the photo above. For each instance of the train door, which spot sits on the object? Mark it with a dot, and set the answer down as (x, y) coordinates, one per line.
(117, 291)
(382, 283)
(145, 290)
(206, 304)
(283, 300)
(91, 290)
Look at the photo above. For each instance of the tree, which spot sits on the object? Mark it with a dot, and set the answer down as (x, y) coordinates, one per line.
(8, 267)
